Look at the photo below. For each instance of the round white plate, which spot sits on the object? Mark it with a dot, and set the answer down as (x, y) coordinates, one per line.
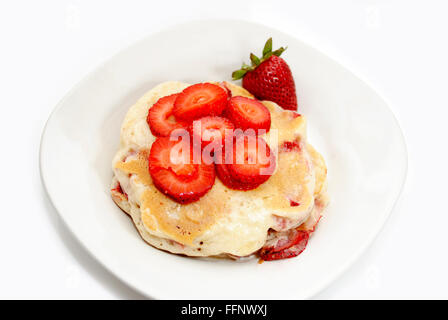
(348, 122)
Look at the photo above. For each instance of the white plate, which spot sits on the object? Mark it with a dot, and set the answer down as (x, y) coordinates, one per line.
(348, 122)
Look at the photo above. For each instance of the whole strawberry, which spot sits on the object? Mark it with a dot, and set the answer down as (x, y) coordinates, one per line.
(269, 78)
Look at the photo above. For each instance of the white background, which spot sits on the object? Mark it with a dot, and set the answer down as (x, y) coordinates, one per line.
(400, 47)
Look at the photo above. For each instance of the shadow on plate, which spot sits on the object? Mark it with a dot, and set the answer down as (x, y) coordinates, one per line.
(107, 279)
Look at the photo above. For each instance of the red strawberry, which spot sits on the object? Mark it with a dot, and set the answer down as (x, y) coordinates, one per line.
(248, 113)
(253, 162)
(200, 100)
(174, 173)
(208, 129)
(222, 171)
(160, 117)
(269, 78)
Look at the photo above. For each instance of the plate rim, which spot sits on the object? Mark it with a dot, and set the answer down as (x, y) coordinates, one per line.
(319, 288)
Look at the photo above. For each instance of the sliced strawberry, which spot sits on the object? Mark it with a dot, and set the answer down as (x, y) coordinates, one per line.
(253, 161)
(174, 173)
(208, 129)
(163, 155)
(248, 113)
(222, 171)
(223, 85)
(290, 252)
(160, 117)
(287, 245)
(200, 100)
(286, 239)
(181, 189)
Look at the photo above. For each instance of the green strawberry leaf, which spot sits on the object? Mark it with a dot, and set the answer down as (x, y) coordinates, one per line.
(267, 47)
(255, 60)
(238, 74)
(267, 55)
(279, 51)
(246, 67)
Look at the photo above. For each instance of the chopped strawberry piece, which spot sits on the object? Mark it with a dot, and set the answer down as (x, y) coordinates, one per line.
(160, 117)
(289, 146)
(248, 113)
(222, 171)
(120, 190)
(208, 129)
(200, 100)
(174, 173)
(253, 162)
(294, 203)
(290, 245)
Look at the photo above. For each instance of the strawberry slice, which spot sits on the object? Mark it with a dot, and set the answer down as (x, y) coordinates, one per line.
(223, 85)
(286, 239)
(286, 253)
(248, 113)
(253, 161)
(160, 117)
(200, 100)
(286, 245)
(163, 155)
(174, 173)
(222, 171)
(208, 129)
(184, 190)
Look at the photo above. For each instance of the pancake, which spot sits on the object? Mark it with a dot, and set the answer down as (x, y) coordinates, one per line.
(224, 222)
